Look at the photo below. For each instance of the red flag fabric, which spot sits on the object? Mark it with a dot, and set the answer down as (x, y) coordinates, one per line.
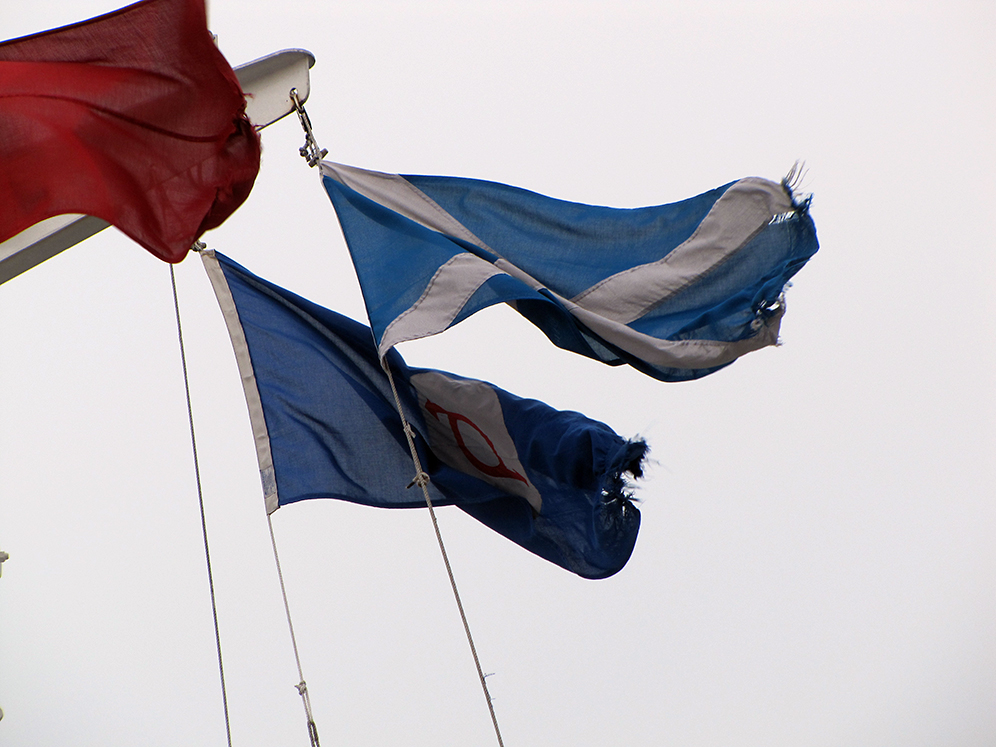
(134, 117)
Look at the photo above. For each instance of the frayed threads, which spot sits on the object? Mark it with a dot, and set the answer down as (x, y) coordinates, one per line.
(791, 183)
(616, 486)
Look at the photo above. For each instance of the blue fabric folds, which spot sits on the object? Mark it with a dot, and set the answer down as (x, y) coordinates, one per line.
(326, 426)
(677, 291)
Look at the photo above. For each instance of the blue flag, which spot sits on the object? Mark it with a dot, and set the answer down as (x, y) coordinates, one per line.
(326, 425)
(677, 291)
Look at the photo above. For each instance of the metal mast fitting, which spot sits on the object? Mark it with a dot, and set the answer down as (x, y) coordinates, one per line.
(310, 151)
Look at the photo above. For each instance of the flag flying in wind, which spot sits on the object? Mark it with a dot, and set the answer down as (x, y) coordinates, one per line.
(326, 425)
(134, 117)
(677, 291)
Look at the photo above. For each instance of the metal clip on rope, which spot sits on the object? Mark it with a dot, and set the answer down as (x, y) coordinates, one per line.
(310, 151)
(421, 479)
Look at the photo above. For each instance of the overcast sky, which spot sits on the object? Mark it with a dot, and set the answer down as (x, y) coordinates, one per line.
(816, 564)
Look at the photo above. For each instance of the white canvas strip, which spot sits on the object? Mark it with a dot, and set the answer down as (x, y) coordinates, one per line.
(443, 299)
(401, 196)
(260, 435)
(466, 430)
(663, 353)
(735, 218)
(678, 353)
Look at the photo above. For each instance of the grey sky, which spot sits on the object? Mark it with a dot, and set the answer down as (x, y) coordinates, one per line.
(816, 562)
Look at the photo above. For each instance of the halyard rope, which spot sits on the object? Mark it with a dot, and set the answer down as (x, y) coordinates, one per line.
(302, 687)
(200, 499)
(422, 480)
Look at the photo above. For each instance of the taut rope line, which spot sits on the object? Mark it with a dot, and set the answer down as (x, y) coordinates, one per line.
(200, 500)
(313, 154)
(422, 480)
(302, 687)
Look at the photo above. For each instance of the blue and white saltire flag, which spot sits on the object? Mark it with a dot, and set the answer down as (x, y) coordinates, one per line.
(677, 291)
(326, 425)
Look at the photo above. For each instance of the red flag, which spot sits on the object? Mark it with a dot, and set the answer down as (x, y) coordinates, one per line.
(134, 117)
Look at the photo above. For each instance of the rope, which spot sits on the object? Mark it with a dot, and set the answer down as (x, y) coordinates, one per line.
(422, 480)
(302, 687)
(200, 499)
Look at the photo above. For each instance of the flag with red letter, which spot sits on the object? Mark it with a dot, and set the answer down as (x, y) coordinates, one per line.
(326, 425)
